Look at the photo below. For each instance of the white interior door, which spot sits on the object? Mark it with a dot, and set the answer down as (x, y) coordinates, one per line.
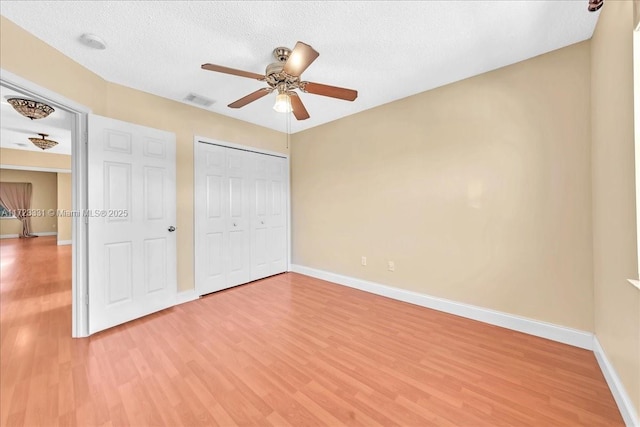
(132, 201)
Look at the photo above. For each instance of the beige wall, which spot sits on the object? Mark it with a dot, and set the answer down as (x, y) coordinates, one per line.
(478, 191)
(64, 203)
(13, 157)
(617, 303)
(43, 197)
(75, 82)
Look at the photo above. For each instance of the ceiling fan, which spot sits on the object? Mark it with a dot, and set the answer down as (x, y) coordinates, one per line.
(284, 76)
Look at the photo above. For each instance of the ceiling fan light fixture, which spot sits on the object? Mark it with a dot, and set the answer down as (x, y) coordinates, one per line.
(283, 103)
(92, 41)
(30, 108)
(43, 142)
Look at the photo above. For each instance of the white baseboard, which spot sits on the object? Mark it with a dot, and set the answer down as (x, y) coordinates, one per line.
(64, 242)
(537, 328)
(186, 296)
(615, 385)
(15, 236)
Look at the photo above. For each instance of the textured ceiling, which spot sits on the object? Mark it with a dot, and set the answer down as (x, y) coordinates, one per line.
(385, 50)
(15, 129)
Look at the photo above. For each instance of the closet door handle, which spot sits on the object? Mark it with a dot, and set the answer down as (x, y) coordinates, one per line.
(235, 225)
(262, 222)
(172, 228)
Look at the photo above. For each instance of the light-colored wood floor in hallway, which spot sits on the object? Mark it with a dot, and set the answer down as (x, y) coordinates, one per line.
(285, 351)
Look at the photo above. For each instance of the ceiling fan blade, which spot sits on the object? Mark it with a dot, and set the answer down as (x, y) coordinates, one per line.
(250, 98)
(301, 57)
(299, 111)
(331, 91)
(233, 71)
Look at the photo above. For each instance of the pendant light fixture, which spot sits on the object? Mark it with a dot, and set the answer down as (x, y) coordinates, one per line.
(43, 142)
(30, 108)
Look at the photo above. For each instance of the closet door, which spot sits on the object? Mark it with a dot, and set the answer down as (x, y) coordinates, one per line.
(240, 217)
(260, 266)
(239, 166)
(211, 213)
(277, 215)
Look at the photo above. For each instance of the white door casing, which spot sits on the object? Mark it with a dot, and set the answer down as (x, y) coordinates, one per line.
(132, 201)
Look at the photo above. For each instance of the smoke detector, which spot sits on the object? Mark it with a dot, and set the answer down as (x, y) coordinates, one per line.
(93, 41)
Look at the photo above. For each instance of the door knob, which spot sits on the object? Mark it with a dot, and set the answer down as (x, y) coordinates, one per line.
(234, 224)
(172, 228)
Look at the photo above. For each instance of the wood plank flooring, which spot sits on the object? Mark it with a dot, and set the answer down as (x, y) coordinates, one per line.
(285, 351)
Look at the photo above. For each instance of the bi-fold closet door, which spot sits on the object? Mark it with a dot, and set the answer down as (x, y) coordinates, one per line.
(241, 216)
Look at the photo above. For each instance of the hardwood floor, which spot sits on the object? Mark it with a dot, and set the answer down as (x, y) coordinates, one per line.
(285, 351)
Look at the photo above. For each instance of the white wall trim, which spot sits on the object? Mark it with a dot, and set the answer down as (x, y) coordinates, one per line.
(636, 125)
(34, 168)
(635, 283)
(206, 140)
(537, 328)
(186, 296)
(15, 236)
(47, 233)
(64, 242)
(620, 395)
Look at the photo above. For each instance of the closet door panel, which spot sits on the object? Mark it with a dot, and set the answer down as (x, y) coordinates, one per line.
(238, 221)
(277, 217)
(211, 202)
(259, 198)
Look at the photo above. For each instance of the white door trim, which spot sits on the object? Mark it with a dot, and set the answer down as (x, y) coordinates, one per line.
(201, 139)
(79, 292)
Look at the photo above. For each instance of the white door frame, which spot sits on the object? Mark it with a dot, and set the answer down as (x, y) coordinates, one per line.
(79, 291)
(201, 139)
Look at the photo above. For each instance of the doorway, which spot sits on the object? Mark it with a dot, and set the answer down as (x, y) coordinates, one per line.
(71, 125)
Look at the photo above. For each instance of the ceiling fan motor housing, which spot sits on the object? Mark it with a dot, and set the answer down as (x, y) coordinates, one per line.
(274, 74)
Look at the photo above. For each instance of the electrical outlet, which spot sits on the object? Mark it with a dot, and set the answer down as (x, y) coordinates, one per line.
(392, 266)
(363, 261)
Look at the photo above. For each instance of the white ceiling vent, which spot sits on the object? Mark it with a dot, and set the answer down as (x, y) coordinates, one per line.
(201, 101)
